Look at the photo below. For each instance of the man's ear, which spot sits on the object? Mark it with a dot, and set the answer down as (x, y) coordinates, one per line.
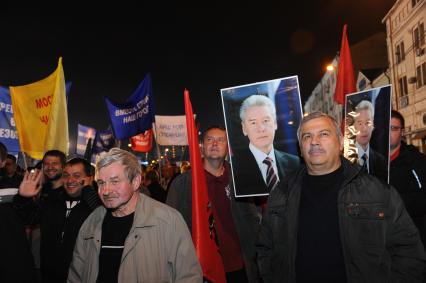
(244, 128)
(136, 182)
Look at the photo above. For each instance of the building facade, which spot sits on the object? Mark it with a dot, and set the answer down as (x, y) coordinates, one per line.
(405, 29)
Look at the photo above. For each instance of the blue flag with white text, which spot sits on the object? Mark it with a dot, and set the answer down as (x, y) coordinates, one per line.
(136, 115)
(8, 133)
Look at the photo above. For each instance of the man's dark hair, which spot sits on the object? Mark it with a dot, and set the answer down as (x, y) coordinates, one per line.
(56, 153)
(152, 175)
(87, 166)
(395, 114)
(3, 152)
(11, 157)
(211, 128)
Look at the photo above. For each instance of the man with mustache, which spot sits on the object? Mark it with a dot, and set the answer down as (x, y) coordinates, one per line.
(331, 222)
(61, 214)
(259, 167)
(375, 163)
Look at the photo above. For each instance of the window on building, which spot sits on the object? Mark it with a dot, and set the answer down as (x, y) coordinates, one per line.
(419, 36)
(400, 52)
(424, 73)
(421, 75)
(403, 86)
(414, 2)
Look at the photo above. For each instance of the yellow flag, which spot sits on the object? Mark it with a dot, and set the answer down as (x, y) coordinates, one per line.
(41, 116)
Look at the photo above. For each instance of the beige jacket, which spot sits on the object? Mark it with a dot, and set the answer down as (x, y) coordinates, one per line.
(158, 248)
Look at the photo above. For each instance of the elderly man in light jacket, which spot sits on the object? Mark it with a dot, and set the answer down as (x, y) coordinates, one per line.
(133, 238)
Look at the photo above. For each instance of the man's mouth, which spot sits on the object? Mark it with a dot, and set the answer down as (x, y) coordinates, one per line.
(72, 185)
(314, 151)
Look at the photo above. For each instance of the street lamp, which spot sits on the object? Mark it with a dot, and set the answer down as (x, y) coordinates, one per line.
(330, 68)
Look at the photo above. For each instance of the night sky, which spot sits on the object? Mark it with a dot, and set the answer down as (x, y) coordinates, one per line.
(107, 50)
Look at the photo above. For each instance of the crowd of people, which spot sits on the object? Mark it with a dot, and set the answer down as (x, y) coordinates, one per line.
(325, 220)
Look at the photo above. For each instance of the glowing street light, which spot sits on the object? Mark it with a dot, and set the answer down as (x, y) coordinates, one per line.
(329, 68)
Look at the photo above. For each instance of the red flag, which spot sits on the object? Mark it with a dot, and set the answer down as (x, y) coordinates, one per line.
(345, 72)
(142, 142)
(203, 233)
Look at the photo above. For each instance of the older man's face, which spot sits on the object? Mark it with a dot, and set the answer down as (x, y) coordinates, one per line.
(259, 126)
(364, 126)
(320, 146)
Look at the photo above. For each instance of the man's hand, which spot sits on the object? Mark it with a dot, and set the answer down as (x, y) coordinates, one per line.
(31, 184)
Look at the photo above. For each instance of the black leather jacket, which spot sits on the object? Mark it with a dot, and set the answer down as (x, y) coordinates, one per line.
(379, 240)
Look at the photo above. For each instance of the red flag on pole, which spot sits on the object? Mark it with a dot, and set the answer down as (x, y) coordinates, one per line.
(203, 232)
(345, 72)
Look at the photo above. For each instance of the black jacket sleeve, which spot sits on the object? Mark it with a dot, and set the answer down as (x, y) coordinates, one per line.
(403, 243)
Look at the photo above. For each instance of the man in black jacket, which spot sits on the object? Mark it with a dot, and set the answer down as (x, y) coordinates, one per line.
(16, 261)
(408, 173)
(61, 215)
(331, 222)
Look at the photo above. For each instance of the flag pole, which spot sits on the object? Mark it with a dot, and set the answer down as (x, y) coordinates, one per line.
(25, 160)
(158, 148)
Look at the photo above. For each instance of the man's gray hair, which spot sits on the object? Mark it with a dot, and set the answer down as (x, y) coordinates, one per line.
(315, 115)
(365, 105)
(257, 100)
(128, 160)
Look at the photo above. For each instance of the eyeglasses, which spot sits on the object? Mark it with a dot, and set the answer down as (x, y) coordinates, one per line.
(210, 140)
(395, 128)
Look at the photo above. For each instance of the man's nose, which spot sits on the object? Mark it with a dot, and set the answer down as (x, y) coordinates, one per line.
(105, 189)
(315, 139)
(261, 127)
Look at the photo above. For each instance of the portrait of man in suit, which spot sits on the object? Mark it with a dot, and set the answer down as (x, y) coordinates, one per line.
(369, 159)
(258, 168)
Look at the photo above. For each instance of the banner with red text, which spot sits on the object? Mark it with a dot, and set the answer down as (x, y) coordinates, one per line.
(41, 116)
(142, 142)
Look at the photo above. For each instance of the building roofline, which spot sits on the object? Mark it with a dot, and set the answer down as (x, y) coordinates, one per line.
(394, 7)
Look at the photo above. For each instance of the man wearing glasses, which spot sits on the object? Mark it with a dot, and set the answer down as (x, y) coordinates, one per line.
(408, 173)
(235, 220)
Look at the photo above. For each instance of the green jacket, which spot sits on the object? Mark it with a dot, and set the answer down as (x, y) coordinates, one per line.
(158, 248)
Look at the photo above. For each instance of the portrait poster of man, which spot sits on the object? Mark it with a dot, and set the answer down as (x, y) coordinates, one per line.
(261, 121)
(367, 130)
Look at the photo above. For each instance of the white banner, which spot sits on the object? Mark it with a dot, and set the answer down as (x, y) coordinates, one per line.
(171, 130)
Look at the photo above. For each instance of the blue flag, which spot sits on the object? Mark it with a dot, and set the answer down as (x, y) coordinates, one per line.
(136, 115)
(8, 133)
(104, 141)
